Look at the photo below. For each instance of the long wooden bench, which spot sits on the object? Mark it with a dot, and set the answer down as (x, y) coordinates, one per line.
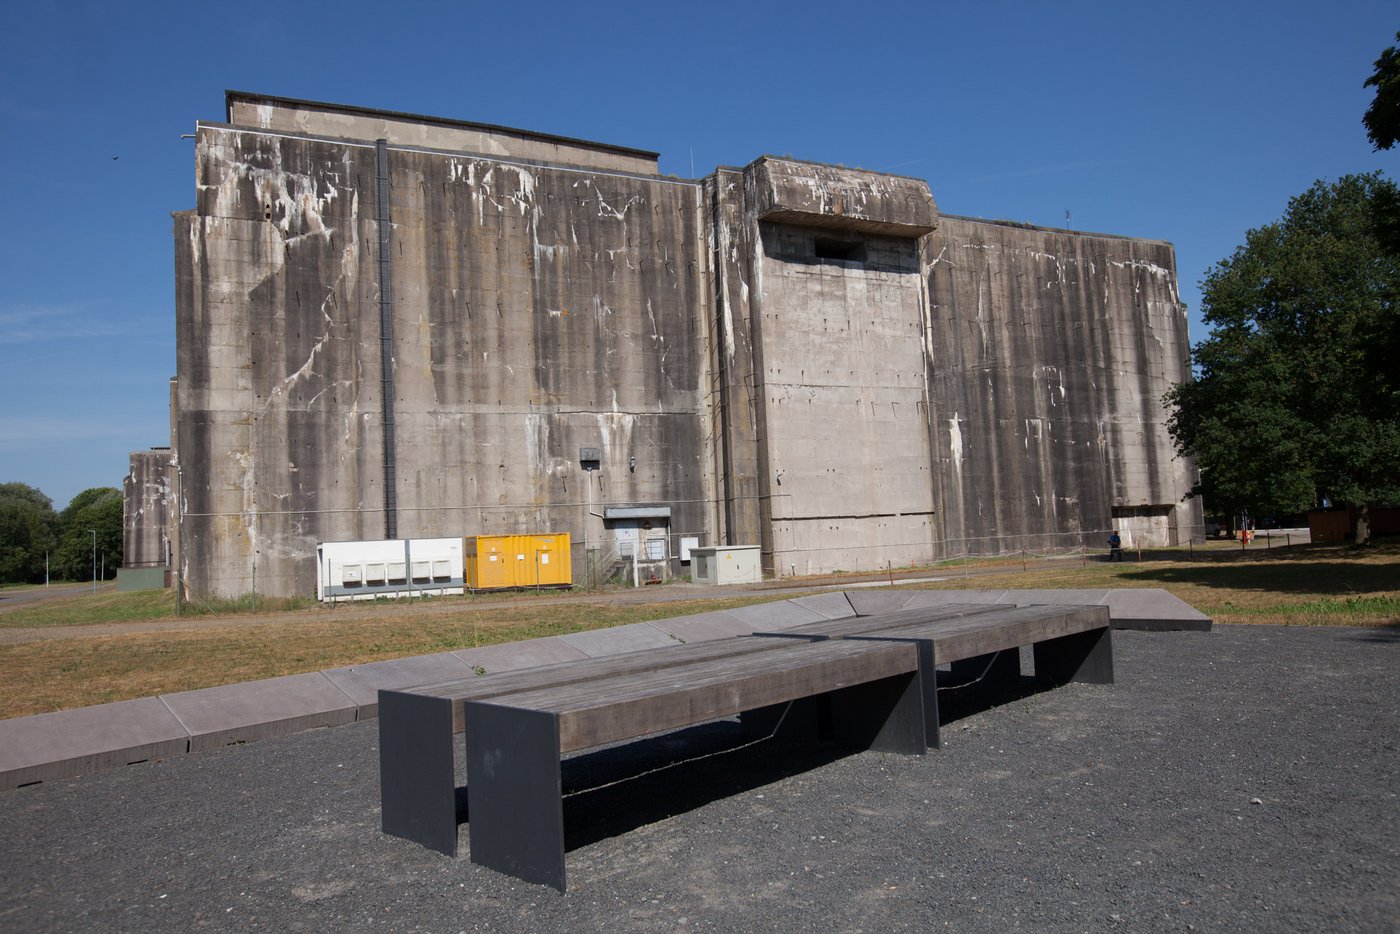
(417, 778)
(1069, 643)
(519, 723)
(515, 741)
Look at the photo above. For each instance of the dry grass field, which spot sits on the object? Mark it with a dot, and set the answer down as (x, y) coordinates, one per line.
(133, 645)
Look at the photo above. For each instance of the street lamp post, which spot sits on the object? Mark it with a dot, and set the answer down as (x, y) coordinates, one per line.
(94, 559)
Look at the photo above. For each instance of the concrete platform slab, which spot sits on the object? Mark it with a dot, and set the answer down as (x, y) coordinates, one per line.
(66, 743)
(700, 627)
(878, 602)
(1147, 608)
(510, 656)
(631, 638)
(831, 605)
(1153, 609)
(361, 683)
(919, 598)
(1052, 597)
(237, 713)
(777, 615)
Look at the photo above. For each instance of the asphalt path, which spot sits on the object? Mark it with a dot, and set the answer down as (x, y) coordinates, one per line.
(29, 596)
(1242, 779)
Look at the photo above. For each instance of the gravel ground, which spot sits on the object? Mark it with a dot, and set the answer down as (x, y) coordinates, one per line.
(1244, 778)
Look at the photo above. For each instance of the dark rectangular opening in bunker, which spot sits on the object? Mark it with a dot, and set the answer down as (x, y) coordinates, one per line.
(849, 251)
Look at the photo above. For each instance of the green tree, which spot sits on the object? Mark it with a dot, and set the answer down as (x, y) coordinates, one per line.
(1382, 118)
(98, 509)
(27, 530)
(1296, 398)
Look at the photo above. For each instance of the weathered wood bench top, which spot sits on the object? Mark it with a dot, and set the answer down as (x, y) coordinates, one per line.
(491, 684)
(964, 635)
(1070, 643)
(625, 706)
(515, 742)
(921, 614)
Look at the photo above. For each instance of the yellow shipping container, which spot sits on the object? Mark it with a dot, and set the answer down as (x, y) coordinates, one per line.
(496, 561)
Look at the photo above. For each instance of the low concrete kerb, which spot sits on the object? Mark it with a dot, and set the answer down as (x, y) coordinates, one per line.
(68, 743)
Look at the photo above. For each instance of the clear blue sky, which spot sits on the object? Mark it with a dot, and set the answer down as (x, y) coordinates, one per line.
(1184, 121)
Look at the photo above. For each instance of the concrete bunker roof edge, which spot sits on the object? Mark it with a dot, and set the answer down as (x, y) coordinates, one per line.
(250, 97)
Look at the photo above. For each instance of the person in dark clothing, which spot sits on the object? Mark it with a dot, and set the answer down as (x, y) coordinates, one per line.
(1115, 547)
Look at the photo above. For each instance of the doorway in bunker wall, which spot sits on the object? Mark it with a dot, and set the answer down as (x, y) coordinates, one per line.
(642, 542)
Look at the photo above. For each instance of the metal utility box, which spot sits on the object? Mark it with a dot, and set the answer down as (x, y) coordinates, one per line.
(497, 561)
(393, 568)
(726, 564)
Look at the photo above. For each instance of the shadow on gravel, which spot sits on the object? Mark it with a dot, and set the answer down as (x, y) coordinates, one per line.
(1385, 634)
(613, 791)
(958, 702)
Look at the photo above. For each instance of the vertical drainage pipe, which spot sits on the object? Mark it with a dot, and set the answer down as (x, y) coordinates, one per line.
(386, 337)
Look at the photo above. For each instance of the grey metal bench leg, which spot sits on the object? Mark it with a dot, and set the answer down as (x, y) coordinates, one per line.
(928, 684)
(885, 715)
(514, 793)
(1081, 656)
(417, 787)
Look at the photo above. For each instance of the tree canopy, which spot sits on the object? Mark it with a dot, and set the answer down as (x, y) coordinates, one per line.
(30, 530)
(98, 509)
(1382, 118)
(1296, 398)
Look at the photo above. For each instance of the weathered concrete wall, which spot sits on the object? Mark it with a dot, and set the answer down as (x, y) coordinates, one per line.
(825, 196)
(536, 310)
(545, 310)
(798, 356)
(736, 348)
(146, 509)
(831, 302)
(313, 118)
(278, 398)
(1049, 355)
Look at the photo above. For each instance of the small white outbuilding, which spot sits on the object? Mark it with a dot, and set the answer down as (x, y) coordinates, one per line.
(726, 564)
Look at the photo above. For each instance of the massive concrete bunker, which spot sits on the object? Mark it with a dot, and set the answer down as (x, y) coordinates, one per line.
(397, 326)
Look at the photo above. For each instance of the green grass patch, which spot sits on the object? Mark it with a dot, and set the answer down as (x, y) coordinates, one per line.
(107, 606)
(1383, 610)
(58, 674)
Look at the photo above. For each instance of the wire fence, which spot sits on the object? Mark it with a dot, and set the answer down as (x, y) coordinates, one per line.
(602, 562)
(602, 556)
